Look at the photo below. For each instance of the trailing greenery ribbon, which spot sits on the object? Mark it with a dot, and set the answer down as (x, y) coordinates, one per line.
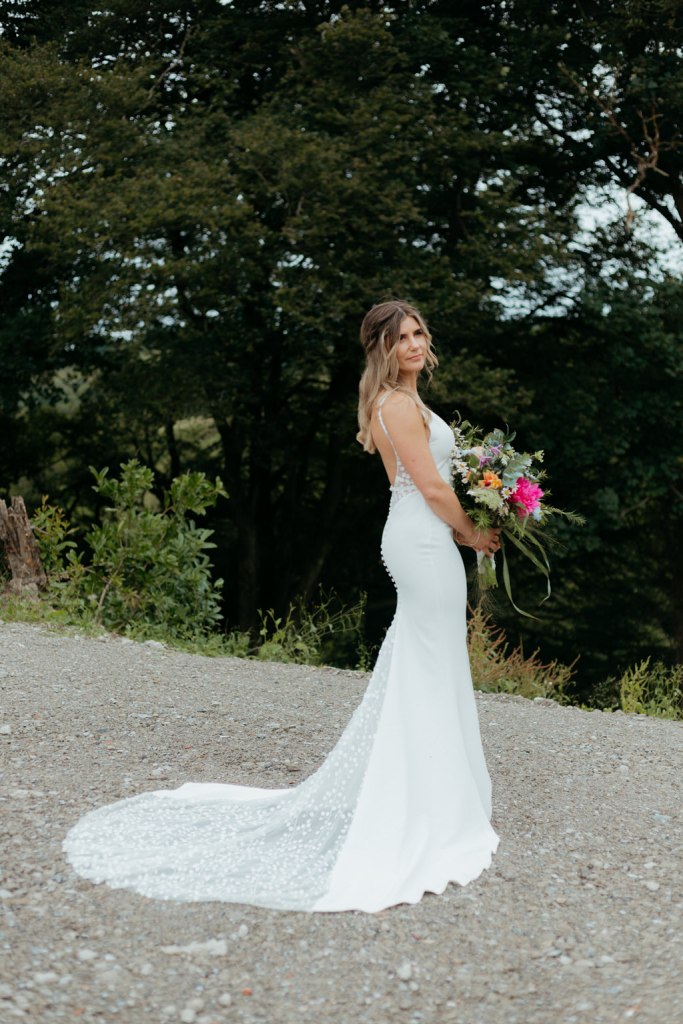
(543, 566)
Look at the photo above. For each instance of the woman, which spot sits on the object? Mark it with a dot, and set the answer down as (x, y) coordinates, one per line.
(401, 805)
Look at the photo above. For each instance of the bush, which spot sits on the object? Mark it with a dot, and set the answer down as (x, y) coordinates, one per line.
(52, 531)
(654, 690)
(315, 635)
(148, 573)
(494, 670)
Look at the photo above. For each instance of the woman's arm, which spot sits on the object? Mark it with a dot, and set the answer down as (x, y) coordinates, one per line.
(406, 427)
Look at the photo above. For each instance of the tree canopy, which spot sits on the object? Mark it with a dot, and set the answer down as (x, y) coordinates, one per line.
(201, 201)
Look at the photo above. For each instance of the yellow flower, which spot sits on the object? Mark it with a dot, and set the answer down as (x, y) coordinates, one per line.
(491, 480)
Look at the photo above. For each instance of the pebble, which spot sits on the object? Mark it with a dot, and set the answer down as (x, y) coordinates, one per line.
(405, 971)
(109, 977)
(5, 729)
(44, 977)
(85, 955)
(188, 1016)
(225, 999)
(212, 947)
(652, 886)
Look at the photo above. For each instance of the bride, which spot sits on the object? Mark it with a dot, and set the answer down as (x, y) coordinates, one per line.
(402, 804)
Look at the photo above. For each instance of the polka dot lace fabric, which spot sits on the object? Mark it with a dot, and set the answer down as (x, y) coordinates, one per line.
(201, 842)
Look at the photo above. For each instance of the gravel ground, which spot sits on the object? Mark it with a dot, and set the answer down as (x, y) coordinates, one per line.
(578, 919)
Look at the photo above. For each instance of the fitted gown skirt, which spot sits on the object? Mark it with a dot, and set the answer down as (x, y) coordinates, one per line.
(399, 807)
(423, 813)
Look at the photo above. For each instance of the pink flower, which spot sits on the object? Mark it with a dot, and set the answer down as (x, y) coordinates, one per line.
(526, 496)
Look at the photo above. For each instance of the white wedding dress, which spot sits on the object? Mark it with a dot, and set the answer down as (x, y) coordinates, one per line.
(401, 805)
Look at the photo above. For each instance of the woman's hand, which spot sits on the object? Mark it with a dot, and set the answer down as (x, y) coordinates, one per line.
(487, 541)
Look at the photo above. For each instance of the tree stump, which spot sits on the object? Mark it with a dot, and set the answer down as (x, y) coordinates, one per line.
(21, 550)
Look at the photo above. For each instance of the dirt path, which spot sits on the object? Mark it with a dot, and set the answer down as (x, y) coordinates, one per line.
(577, 922)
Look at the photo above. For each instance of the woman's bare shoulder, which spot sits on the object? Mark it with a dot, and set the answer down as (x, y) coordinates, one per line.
(401, 408)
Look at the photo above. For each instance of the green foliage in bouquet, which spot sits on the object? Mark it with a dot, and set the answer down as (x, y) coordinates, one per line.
(500, 487)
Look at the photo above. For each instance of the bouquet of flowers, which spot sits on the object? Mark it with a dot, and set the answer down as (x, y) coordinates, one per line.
(499, 487)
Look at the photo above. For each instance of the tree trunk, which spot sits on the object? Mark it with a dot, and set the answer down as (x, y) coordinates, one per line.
(675, 550)
(21, 550)
(248, 561)
(172, 446)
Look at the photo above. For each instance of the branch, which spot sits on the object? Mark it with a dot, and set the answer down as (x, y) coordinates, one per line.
(644, 162)
(648, 198)
(668, 216)
(561, 132)
(677, 196)
(178, 60)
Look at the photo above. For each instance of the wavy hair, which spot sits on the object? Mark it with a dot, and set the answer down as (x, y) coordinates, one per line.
(379, 335)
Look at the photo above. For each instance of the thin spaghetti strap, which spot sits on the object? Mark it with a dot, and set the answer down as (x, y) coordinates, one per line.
(381, 418)
(403, 483)
(384, 397)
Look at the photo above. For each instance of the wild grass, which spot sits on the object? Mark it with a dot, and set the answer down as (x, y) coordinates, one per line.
(652, 689)
(497, 668)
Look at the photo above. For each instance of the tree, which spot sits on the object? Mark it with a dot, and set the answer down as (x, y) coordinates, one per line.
(202, 201)
(230, 284)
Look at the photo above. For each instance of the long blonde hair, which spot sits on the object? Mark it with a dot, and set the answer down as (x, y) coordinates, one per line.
(379, 335)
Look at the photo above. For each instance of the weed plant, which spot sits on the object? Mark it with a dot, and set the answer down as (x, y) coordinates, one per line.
(656, 689)
(325, 632)
(496, 669)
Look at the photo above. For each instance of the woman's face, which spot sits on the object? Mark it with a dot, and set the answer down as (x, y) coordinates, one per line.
(411, 348)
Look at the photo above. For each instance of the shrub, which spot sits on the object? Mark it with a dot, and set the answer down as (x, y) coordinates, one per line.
(52, 531)
(312, 635)
(149, 572)
(654, 690)
(495, 670)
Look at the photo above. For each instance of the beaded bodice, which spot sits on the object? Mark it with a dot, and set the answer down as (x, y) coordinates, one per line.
(441, 443)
